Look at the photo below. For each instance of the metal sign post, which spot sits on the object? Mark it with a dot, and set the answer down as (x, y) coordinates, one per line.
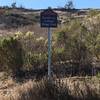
(48, 20)
(49, 53)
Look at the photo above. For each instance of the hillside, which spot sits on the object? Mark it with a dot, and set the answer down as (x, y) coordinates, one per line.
(24, 19)
(75, 65)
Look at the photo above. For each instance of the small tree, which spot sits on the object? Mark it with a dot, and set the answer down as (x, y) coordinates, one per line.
(13, 5)
(69, 5)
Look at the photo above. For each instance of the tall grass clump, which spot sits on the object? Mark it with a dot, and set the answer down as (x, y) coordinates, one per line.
(57, 89)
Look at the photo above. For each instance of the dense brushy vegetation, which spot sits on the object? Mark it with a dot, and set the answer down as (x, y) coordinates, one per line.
(10, 55)
(22, 52)
(75, 47)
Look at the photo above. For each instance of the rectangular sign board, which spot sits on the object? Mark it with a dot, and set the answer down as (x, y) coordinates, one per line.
(48, 18)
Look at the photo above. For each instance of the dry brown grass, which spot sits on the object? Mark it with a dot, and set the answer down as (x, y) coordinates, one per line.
(60, 89)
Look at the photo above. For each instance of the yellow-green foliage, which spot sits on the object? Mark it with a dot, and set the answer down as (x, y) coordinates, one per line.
(75, 42)
(93, 13)
(11, 55)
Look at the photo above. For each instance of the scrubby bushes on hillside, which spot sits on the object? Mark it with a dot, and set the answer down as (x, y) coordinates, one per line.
(80, 42)
(74, 48)
(11, 58)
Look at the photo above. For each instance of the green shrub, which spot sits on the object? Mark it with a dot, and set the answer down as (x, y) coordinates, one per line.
(11, 55)
(98, 75)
